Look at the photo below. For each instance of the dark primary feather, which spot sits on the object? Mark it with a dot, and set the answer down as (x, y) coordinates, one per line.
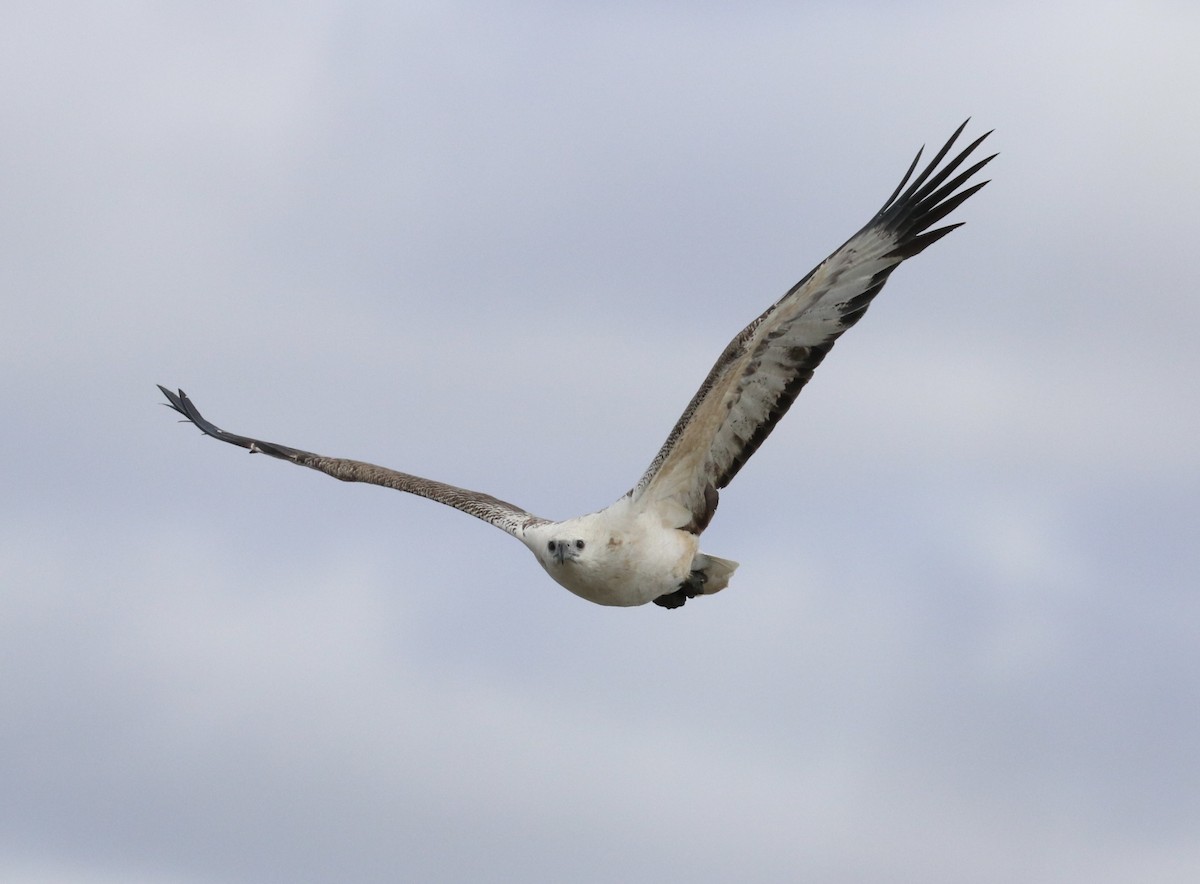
(761, 372)
(496, 512)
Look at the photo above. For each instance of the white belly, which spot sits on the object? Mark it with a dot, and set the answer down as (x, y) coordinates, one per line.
(627, 558)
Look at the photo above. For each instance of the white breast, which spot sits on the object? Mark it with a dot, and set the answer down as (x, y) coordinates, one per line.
(628, 557)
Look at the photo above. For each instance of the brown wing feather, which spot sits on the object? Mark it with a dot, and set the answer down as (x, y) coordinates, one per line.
(760, 374)
(496, 512)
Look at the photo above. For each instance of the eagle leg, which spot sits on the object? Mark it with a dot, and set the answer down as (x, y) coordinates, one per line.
(689, 589)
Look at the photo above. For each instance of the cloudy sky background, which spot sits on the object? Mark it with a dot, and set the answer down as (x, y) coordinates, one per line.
(500, 245)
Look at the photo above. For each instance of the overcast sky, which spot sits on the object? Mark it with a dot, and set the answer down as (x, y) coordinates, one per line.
(500, 245)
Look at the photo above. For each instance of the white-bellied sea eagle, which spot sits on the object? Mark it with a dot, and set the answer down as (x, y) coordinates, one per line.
(646, 546)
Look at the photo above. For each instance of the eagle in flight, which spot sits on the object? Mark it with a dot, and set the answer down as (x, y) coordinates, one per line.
(645, 547)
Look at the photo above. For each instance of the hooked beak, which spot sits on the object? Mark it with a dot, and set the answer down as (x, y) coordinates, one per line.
(563, 551)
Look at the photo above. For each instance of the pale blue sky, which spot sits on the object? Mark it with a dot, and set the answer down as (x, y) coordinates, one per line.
(500, 245)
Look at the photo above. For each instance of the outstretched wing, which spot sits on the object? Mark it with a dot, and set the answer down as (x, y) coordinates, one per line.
(763, 369)
(503, 515)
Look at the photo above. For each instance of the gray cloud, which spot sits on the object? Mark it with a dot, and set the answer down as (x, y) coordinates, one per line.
(962, 642)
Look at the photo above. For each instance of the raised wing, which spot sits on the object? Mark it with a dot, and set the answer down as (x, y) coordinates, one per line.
(763, 369)
(503, 515)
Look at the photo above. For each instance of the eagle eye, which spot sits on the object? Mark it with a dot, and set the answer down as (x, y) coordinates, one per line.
(579, 544)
